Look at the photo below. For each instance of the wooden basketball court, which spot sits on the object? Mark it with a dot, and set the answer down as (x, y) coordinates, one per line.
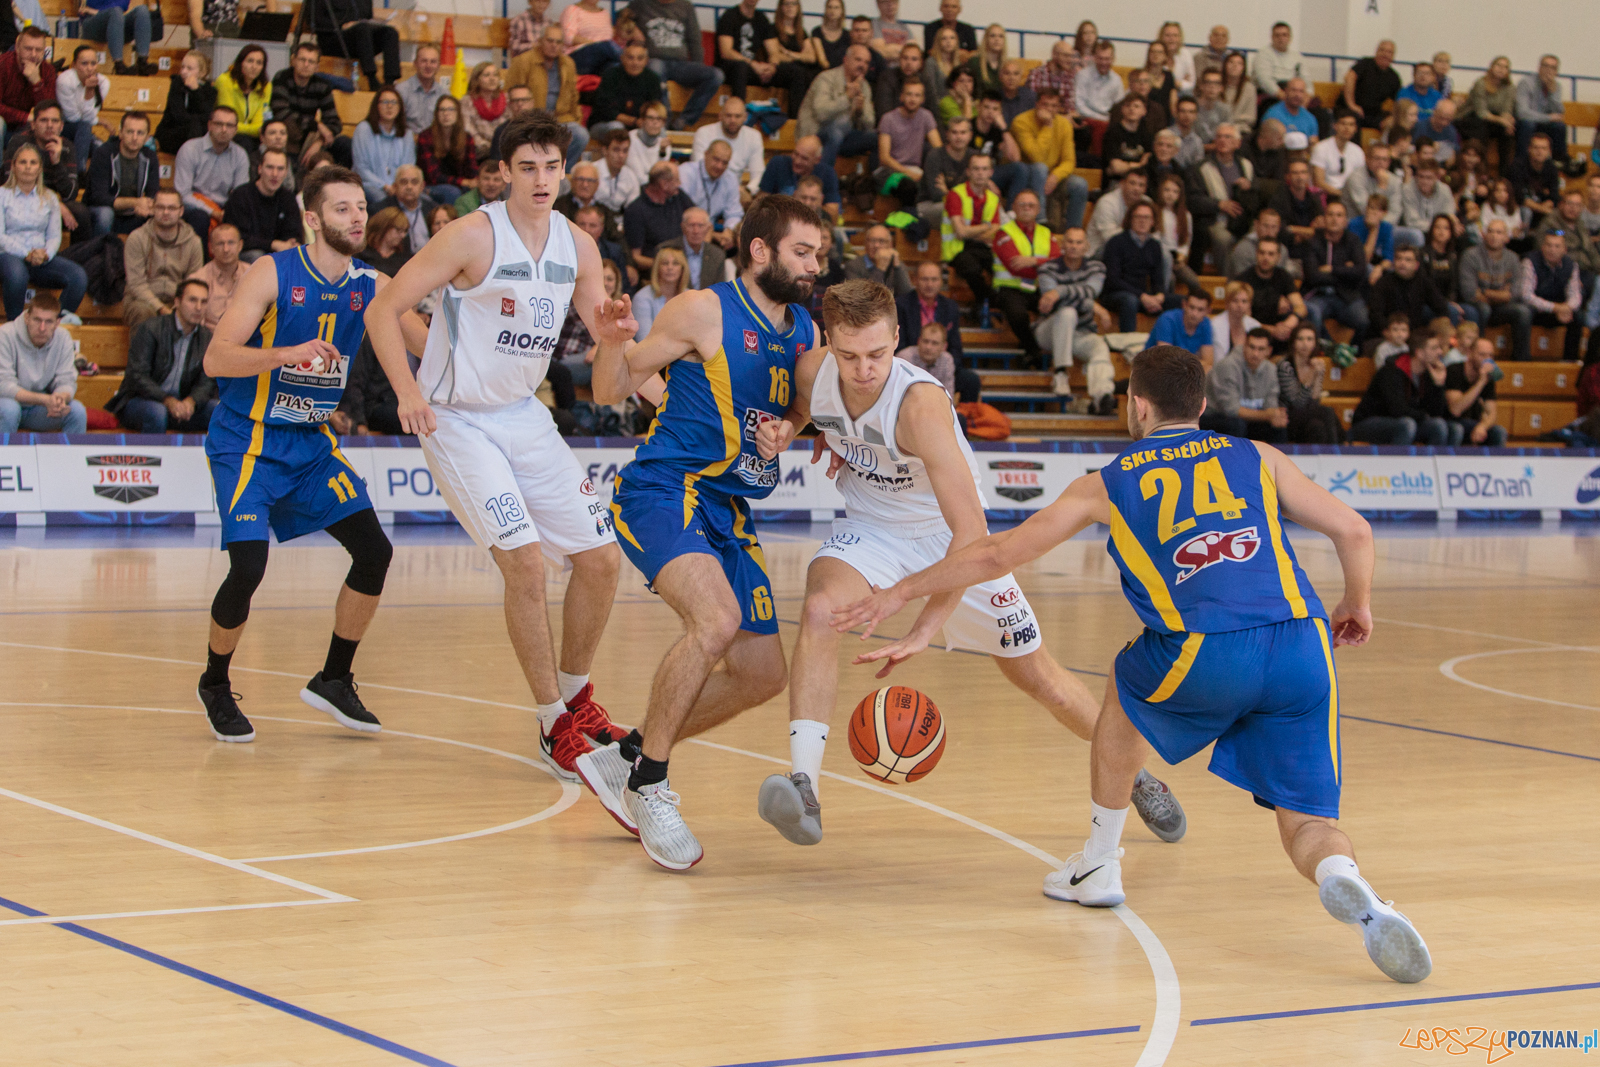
(431, 895)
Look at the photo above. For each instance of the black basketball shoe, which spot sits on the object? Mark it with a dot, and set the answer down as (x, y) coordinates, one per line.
(337, 697)
(222, 708)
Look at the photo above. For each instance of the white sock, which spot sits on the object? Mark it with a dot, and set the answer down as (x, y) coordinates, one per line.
(1333, 865)
(549, 713)
(1105, 831)
(571, 684)
(807, 739)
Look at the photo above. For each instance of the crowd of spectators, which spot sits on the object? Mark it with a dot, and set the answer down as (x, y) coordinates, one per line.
(1402, 197)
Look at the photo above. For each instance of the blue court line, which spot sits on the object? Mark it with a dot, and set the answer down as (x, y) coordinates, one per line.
(343, 1029)
(1395, 1004)
(1471, 737)
(840, 1057)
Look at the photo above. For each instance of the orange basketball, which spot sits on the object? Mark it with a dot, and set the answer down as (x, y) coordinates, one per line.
(896, 735)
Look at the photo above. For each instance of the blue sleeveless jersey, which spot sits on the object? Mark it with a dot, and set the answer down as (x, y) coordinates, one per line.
(704, 434)
(1196, 533)
(308, 306)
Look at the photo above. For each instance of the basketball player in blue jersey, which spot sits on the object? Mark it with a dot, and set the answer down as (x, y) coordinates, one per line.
(281, 356)
(508, 273)
(681, 507)
(1236, 650)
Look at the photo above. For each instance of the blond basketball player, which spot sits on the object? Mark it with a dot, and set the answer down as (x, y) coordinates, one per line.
(911, 491)
(510, 271)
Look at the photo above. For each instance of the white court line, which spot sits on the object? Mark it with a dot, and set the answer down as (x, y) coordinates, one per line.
(50, 919)
(569, 792)
(1448, 669)
(1478, 633)
(569, 796)
(201, 854)
(255, 670)
(1164, 1028)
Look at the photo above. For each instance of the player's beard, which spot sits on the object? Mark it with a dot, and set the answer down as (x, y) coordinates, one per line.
(338, 240)
(783, 287)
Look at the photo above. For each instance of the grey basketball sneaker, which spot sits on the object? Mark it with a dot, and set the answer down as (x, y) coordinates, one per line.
(788, 802)
(1392, 942)
(1158, 808)
(605, 772)
(662, 831)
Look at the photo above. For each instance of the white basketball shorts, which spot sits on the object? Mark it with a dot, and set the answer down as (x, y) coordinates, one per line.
(994, 618)
(511, 480)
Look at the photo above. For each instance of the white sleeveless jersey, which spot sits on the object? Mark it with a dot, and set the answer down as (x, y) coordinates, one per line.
(882, 485)
(490, 346)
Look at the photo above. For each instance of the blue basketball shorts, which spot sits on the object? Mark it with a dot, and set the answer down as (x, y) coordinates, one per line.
(292, 479)
(656, 524)
(1268, 696)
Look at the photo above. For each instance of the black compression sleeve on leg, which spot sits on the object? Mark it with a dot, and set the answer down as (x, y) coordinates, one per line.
(247, 565)
(370, 551)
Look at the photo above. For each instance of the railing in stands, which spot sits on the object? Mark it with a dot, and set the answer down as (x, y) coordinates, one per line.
(1338, 65)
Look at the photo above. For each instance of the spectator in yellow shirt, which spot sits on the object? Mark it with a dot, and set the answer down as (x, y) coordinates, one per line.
(1045, 138)
(245, 88)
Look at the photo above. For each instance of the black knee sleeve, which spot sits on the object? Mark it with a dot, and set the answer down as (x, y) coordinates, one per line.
(247, 565)
(370, 551)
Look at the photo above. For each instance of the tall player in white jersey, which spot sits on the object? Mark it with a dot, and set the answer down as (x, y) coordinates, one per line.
(912, 496)
(510, 271)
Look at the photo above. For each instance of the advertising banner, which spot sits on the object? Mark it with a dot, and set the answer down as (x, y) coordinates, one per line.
(19, 478)
(1511, 482)
(120, 477)
(174, 478)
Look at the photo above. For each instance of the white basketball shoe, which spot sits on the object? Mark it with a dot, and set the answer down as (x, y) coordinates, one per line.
(1392, 942)
(662, 831)
(1092, 883)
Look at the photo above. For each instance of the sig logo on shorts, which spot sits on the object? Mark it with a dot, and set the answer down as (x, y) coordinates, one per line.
(1006, 598)
(508, 306)
(754, 419)
(297, 296)
(1198, 553)
(355, 300)
(752, 343)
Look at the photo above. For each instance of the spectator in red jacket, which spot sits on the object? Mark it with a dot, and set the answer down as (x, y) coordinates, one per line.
(25, 78)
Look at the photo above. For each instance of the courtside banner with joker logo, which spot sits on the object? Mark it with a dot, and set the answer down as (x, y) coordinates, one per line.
(115, 477)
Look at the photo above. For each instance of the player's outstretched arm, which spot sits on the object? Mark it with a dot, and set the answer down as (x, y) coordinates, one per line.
(230, 356)
(925, 429)
(687, 320)
(988, 558)
(449, 256)
(1313, 507)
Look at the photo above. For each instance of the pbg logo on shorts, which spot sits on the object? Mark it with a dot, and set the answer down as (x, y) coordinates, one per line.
(508, 305)
(751, 342)
(1007, 598)
(297, 296)
(1198, 553)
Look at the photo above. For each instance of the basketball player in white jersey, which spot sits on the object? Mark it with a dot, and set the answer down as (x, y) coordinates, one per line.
(510, 270)
(911, 489)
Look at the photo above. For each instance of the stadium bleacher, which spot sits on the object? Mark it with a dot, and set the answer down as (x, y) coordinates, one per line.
(1534, 398)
